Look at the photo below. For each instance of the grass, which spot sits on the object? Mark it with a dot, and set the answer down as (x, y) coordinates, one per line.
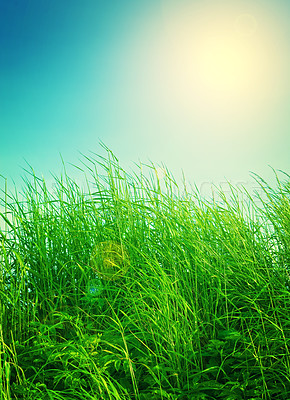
(128, 291)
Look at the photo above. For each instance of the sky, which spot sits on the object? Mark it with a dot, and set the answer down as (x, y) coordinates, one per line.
(201, 86)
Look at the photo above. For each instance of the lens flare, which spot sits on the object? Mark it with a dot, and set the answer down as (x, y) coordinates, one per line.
(245, 25)
(110, 260)
(94, 287)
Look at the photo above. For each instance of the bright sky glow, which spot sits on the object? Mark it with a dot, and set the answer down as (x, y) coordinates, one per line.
(201, 86)
(225, 64)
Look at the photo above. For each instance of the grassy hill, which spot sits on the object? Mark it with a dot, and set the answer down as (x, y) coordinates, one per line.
(134, 290)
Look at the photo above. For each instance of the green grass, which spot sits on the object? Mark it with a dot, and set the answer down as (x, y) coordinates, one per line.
(196, 303)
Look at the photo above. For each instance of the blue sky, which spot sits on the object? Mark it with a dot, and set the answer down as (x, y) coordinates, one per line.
(201, 86)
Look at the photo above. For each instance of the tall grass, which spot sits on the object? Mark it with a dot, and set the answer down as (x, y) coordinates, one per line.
(201, 310)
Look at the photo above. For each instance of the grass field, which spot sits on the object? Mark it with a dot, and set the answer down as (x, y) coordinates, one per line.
(129, 291)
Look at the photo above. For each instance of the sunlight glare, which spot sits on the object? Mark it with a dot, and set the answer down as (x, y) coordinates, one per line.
(221, 64)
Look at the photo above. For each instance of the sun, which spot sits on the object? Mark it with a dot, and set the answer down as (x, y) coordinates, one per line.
(222, 65)
(215, 58)
(226, 65)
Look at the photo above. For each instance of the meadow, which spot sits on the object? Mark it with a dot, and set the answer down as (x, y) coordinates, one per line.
(135, 288)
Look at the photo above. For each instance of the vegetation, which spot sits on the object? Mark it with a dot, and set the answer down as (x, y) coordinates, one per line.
(127, 290)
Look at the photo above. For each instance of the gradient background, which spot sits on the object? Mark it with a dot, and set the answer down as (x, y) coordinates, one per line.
(201, 86)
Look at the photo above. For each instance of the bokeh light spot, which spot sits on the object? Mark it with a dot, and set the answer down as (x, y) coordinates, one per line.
(246, 25)
(110, 260)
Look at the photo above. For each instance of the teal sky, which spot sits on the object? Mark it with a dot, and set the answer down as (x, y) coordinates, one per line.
(201, 86)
